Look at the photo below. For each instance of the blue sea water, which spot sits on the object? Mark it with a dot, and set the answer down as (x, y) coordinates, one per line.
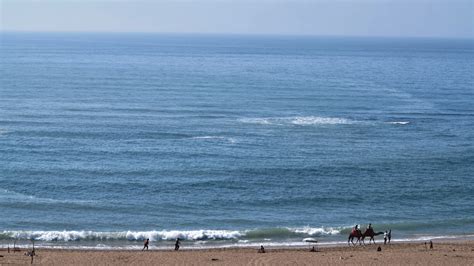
(108, 139)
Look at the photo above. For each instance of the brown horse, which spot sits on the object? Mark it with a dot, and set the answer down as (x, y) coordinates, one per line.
(360, 237)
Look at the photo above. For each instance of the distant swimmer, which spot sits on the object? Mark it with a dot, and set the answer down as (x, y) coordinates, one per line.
(176, 244)
(145, 244)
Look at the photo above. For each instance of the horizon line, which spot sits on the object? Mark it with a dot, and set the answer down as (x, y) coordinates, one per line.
(242, 34)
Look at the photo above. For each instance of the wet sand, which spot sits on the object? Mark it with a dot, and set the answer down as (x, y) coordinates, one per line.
(454, 253)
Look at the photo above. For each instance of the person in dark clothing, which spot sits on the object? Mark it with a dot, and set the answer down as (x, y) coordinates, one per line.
(145, 244)
(176, 244)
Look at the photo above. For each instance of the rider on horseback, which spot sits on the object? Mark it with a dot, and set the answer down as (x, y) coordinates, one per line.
(355, 229)
(369, 228)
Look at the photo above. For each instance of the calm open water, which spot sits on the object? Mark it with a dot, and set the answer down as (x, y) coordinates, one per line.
(107, 139)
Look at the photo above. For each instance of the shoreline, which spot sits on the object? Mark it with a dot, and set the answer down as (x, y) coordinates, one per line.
(443, 253)
(163, 246)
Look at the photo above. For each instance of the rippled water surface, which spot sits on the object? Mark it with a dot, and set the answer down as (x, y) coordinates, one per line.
(107, 139)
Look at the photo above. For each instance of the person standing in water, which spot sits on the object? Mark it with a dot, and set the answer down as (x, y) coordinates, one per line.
(145, 244)
(176, 244)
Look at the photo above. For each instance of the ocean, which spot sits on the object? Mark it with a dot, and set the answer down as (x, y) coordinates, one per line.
(107, 139)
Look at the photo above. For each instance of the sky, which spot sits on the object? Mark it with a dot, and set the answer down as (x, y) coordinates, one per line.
(391, 18)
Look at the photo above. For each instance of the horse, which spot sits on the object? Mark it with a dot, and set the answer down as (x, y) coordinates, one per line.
(361, 236)
(370, 233)
(354, 234)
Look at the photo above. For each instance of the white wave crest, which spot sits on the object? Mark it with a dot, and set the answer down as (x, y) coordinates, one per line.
(124, 235)
(316, 231)
(315, 120)
(399, 123)
(297, 120)
(261, 121)
(231, 140)
(168, 235)
(6, 194)
(209, 137)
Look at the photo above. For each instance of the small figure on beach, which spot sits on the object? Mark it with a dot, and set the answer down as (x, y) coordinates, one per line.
(369, 227)
(431, 244)
(385, 237)
(145, 244)
(176, 244)
(313, 249)
(261, 250)
(389, 235)
(356, 228)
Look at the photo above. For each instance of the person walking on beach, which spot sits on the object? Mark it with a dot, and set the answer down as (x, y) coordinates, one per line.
(145, 244)
(389, 235)
(176, 244)
(385, 237)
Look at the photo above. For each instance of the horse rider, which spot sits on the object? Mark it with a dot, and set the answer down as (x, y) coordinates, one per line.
(355, 229)
(369, 227)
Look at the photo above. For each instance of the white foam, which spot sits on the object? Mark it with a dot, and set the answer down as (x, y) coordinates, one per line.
(399, 123)
(208, 137)
(261, 121)
(155, 235)
(315, 120)
(231, 140)
(316, 231)
(297, 120)
(199, 234)
(6, 194)
(73, 235)
(124, 235)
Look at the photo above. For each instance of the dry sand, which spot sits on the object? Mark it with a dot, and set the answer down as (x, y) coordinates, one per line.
(456, 253)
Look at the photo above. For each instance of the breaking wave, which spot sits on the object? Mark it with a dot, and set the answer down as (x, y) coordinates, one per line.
(170, 235)
(298, 120)
(399, 122)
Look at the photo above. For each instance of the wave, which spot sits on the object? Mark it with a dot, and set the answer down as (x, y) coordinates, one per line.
(170, 235)
(231, 140)
(298, 120)
(6, 194)
(399, 122)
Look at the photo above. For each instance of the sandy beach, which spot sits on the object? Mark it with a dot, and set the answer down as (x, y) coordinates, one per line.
(452, 253)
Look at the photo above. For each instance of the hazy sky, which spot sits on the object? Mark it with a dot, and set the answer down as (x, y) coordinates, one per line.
(435, 18)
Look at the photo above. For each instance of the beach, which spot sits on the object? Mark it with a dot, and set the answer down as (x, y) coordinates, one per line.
(446, 253)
